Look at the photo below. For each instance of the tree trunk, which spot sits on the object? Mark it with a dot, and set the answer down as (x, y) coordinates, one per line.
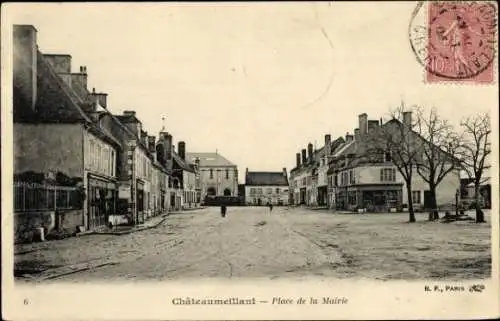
(433, 213)
(411, 213)
(479, 211)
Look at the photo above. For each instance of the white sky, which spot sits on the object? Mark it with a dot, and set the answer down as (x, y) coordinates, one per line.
(255, 81)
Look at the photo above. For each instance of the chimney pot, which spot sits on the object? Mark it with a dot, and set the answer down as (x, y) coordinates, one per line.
(304, 157)
(310, 151)
(297, 160)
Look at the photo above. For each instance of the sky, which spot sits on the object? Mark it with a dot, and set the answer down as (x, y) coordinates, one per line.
(257, 82)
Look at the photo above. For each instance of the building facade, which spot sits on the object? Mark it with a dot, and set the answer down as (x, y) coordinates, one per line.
(374, 184)
(264, 188)
(309, 179)
(217, 175)
(56, 134)
(63, 130)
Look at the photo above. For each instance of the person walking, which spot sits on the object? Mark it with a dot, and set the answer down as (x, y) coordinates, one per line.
(270, 207)
(223, 210)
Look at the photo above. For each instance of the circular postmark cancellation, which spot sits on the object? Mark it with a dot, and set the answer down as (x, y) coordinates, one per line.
(455, 40)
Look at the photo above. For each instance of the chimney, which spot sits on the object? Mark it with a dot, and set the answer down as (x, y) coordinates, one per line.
(101, 98)
(166, 142)
(304, 157)
(348, 138)
(407, 118)
(356, 135)
(128, 113)
(363, 124)
(182, 150)
(372, 125)
(284, 172)
(328, 144)
(310, 151)
(297, 159)
(151, 143)
(61, 63)
(143, 136)
(79, 80)
(25, 62)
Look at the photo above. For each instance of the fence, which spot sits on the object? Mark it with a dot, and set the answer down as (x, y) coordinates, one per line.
(37, 197)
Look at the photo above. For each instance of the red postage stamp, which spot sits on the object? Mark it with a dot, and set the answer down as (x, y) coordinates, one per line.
(456, 41)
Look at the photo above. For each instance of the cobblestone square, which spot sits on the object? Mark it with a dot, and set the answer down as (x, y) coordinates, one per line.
(254, 242)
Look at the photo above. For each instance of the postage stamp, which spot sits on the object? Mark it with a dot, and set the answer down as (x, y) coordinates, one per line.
(455, 41)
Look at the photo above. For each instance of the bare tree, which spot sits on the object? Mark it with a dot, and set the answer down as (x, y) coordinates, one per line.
(396, 140)
(474, 150)
(436, 159)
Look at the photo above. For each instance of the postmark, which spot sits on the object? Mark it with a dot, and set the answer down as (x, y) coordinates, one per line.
(455, 41)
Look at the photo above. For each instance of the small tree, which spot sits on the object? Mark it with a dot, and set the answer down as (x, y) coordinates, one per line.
(474, 150)
(395, 138)
(436, 159)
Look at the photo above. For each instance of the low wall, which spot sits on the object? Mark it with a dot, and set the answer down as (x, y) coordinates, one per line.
(25, 223)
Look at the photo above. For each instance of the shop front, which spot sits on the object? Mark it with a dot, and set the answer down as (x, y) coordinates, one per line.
(101, 200)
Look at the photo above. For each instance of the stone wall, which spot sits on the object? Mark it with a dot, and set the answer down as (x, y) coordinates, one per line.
(26, 223)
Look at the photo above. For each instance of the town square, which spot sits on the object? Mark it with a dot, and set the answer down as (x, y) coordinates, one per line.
(237, 142)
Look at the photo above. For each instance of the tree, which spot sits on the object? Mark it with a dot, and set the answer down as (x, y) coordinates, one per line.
(438, 147)
(474, 150)
(395, 139)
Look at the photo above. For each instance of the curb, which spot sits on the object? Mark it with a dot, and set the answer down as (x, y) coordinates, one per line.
(132, 230)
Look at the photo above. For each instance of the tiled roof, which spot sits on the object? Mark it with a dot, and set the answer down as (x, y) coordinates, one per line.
(209, 159)
(182, 164)
(266, 179)
(334, 145)
(55, 101)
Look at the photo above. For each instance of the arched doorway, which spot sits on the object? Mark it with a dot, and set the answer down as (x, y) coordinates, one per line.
(227, 192)
(211, 191)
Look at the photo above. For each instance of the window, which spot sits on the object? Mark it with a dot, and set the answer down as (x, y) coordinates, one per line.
(259, 190)
(388, 157)
(277, 190)
(415, 197)
(387, 174)
(269, 190)
(335, 180)
(352, 179)
(252, 191)
(227, 173)
(211, 173)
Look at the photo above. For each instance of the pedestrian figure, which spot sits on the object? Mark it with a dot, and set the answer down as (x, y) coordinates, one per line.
(223, 210)
(270, 207)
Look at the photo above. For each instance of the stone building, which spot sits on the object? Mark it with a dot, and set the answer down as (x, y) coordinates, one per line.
(373, 183)
(263, 188)
(217, 175)
(309, 178)
(62, 129)
(56, 134)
